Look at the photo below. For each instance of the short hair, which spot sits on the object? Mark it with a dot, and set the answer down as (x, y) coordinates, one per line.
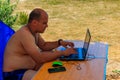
(35, 15)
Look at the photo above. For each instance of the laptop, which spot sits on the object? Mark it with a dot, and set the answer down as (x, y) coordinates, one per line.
(81, 51)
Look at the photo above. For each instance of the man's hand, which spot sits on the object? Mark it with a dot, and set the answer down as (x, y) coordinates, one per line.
(66, 44)
(69, 51)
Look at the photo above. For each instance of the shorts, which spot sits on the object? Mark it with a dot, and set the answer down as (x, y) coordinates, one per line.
(14, 75)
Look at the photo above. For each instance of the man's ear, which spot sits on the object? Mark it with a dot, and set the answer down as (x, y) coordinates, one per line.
(34, 22)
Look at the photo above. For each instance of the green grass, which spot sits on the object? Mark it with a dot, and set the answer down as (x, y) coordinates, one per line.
(116, 71)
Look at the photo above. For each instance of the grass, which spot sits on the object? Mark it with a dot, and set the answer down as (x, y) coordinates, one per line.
(69, 19)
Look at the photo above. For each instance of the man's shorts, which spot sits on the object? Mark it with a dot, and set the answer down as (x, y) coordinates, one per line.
(14, 75)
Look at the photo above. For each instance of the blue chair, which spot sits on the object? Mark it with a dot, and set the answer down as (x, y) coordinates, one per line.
(5, 33)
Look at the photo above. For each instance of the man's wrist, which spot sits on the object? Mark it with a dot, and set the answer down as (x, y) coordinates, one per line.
(59, 42)
(61, 53)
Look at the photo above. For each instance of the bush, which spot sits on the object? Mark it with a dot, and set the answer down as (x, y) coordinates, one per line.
(22, 18)
(6, 10)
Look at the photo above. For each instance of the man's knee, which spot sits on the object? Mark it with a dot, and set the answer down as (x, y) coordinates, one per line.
(28, 75)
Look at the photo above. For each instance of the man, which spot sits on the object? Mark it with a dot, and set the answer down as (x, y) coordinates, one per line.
(26, 51)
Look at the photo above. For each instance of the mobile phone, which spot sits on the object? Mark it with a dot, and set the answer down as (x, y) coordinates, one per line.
(56, 69)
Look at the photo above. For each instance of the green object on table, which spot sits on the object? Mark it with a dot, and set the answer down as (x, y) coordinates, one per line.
(57, 64)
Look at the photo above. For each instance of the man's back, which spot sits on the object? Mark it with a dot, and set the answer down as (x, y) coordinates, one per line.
(15, 56)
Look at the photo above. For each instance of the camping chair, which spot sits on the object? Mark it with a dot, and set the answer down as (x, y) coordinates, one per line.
(5, 33)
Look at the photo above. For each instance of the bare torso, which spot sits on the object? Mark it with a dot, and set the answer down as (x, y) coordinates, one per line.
(15, 56)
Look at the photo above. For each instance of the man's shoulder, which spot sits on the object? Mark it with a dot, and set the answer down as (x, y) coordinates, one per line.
(23, 32)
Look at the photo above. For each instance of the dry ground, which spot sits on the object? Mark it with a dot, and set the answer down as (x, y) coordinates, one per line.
(69, 19)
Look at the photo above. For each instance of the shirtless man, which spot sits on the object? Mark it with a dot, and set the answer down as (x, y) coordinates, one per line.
(26, 51)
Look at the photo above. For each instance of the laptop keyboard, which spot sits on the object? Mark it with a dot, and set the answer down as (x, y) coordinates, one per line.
(75, 56)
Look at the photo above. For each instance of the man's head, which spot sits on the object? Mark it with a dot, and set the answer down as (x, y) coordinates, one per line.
(38, 18)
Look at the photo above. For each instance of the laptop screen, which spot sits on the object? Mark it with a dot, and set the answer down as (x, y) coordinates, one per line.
(86, 42)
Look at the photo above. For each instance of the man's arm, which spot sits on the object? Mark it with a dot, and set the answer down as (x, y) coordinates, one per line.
(47, 46)
(28, 43)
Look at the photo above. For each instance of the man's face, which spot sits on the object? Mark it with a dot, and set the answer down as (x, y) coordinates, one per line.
(42, 23)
